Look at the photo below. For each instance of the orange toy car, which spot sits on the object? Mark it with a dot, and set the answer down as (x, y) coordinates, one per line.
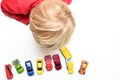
(83, 67)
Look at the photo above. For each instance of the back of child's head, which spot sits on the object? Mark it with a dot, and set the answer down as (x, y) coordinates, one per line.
(52, 24)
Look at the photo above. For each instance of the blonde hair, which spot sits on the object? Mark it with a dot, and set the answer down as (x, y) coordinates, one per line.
(52, 24)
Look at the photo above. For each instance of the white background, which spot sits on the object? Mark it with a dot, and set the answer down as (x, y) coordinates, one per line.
(96, 39)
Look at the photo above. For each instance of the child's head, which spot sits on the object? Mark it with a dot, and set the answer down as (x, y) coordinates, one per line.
(52, 24)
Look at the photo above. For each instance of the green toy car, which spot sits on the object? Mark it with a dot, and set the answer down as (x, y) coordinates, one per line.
(18, 66)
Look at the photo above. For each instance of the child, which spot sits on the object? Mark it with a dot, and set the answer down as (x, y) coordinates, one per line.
(51, 21)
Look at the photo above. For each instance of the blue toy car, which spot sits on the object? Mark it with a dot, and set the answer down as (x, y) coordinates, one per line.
(29, 68)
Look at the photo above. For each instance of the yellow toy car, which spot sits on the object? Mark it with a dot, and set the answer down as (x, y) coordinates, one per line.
(39, 63)
(70, 67)
(66, 53)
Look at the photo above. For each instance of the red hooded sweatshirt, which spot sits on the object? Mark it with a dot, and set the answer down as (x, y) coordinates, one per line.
(20, 9)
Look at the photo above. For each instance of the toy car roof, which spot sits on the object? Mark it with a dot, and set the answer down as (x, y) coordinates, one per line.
(15, 62)
(47, 57)
(66, 53)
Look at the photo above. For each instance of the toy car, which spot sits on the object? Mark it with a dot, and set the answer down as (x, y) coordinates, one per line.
(9, 73)
(29, 68)
(70, 67)
(48, 61)
(39, 63)
(18, 66)
(57, 62)
(83, 67)
(66, 53)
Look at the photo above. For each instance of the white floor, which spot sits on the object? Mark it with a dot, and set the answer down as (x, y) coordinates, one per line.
(95, 39)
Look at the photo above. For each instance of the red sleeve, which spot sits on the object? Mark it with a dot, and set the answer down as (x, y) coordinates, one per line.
(20, 9)
(67, 1)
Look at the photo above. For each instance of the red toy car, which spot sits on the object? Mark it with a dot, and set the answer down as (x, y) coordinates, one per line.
(9, 73)
(57, 62)
(48, 61)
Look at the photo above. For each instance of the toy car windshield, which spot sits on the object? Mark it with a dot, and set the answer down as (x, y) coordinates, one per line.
(39, 65)
(57, 63)
(16, 62)
(29, 66)
(48, 57)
